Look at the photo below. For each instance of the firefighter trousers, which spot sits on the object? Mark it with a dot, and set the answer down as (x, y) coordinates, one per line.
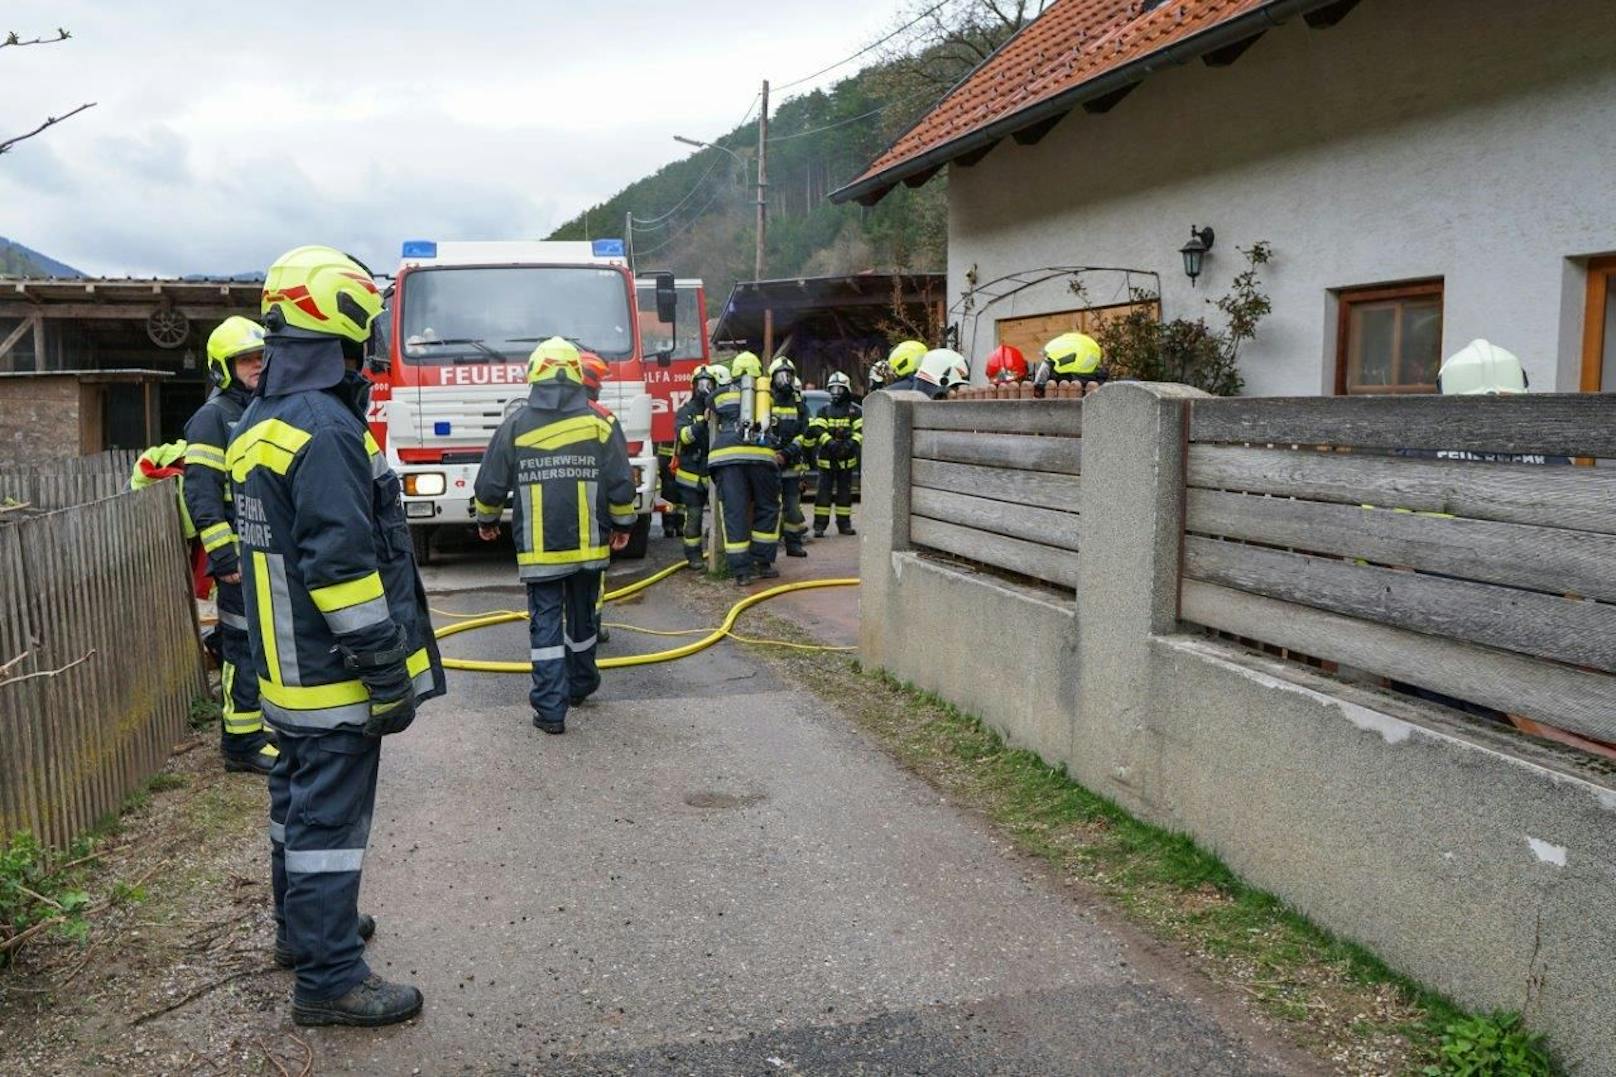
(243, 731)
(793, 527)
(561, 632)
(694, 499)
(673, 518)
(834, 485)
(321, 795)
(750, 496)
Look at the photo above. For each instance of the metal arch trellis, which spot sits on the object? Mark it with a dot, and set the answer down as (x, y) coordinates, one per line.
(1012, 284)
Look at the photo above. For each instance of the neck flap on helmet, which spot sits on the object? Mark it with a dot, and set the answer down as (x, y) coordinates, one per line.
(297, 360)
(555, 395)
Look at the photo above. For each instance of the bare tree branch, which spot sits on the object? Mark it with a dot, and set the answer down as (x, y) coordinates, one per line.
(13, 41)
(50, 121)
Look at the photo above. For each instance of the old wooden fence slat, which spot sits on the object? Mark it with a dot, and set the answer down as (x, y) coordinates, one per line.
(1575, 631)
(1042, 489)
(1566, 424)
(1043, 526)
(1577, 498)
(1027, 558)
(1025, 452)
(1515, 555)
(1573, 699)
(1061, 418)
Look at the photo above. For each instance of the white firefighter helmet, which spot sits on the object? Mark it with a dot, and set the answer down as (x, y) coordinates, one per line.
(944, 367)
(1482, 368)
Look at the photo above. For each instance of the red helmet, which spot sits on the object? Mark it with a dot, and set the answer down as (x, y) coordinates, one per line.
(1006, 363)
(595, 371)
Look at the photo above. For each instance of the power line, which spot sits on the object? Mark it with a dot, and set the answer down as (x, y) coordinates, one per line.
(850, 119)
(695, 219)
(659, 218)
(873, 45)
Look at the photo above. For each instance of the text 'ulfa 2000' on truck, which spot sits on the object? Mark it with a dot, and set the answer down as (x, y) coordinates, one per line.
(451, 362)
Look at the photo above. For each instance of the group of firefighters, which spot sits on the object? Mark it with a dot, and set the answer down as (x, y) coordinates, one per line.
(324, 637)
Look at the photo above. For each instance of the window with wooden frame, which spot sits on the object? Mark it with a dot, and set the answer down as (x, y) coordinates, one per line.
(1389, 339)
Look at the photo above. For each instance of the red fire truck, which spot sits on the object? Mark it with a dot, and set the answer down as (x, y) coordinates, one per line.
(452, 360)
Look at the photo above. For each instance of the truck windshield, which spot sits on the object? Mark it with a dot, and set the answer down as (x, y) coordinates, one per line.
(482, 315)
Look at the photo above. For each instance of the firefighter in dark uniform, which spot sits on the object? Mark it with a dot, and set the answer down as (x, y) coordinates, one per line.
(337, 618)
(235, 358)
(1070, 357)
(903, 362)
(837, 434)
(690, 471)
(568, 465)
(790, 427)
(595, 372)
(744, 469)
(673, 517)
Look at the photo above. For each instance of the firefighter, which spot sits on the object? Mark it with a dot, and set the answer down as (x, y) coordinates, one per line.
(837, 435)
(235, 357)
(1006, 364)
(1070, 357)
(940, 370)
(904, 360)
(790, 427)
(568, 465)
(880, 375)
(337, 618)
(690, 472)
(744, 470)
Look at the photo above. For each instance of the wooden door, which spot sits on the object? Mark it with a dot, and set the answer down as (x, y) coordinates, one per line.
(1599, 328)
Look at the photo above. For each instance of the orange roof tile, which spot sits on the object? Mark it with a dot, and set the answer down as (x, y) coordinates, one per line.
(1072, 45)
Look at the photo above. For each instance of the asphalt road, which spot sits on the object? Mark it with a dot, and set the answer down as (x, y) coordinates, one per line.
(713, 872)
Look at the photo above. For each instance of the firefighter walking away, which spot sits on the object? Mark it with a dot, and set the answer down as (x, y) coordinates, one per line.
(744, 469)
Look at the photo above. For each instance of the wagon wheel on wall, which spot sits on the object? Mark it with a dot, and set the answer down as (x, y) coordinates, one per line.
(167, 327)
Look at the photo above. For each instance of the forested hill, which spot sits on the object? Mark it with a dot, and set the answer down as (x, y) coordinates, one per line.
(19, 261)
(701, 209)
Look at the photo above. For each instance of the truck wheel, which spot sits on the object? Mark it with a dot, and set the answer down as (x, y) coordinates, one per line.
(639, 540)
(421, 539)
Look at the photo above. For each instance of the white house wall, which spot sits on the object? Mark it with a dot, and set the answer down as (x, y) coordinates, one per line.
(1473, 141)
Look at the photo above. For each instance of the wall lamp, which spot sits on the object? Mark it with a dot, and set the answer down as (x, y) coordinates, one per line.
(1194, 251)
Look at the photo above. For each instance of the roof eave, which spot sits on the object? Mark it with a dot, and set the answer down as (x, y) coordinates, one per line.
(870, 189)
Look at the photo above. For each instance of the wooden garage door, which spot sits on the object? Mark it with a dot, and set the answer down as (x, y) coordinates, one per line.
(1031, 333)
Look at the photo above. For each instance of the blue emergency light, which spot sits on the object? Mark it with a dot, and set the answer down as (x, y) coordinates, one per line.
(441, 429)
(607, 248)
(420, 248)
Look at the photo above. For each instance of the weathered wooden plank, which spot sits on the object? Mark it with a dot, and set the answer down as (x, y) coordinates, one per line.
(1043, 489)
(1054, 566)
(1573, 699)
(1514, 555)
(1045, 527)
(1059, 418)
(1575, 631)
(1021, 451)
(1567, 424)
(1578, 498)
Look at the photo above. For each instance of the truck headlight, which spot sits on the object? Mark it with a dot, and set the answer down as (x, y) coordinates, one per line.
(425, 484)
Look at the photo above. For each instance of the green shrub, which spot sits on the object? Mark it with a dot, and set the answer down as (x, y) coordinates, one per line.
(1494, 1045)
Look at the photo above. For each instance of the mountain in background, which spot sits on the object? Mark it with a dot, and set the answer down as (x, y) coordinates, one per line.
(19, 261)
(696, 215)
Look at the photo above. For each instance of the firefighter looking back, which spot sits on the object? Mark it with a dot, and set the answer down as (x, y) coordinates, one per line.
(568, 466)
(904, 362)
(690, 471)
(837, 434)
(744, 469)
(1070, 357)
(235, 357)
(790, 426)
(337, 618)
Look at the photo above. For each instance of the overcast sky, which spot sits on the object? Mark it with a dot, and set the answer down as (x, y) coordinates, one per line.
(227, 132)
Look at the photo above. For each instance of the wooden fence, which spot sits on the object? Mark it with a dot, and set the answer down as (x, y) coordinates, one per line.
(98, 638)
(1387, 535)
(997, 482)
(69, 482)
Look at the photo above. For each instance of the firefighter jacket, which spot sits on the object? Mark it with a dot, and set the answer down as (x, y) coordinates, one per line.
(325, 555)
(790, 431)
(737, 442)
(690, 433)
(207, 483)
(568, 467)
(837, 434)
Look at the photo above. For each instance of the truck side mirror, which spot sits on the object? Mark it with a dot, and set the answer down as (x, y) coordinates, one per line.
(667, 298)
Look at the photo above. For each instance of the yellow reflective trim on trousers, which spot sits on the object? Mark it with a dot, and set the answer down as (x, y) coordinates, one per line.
(737, 547)
(341, 595)
(266, 615)
(562, 557)
(740, 452)
(310, 697)
(271, 443)
(564, 432)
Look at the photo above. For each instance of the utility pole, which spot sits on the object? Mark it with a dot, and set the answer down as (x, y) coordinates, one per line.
(762, 183)
(628, 237)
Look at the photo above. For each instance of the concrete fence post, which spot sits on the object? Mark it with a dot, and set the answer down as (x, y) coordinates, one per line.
(884, 486)
(1129, 537)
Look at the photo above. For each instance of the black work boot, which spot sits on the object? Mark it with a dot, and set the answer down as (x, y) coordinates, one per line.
(766, 572)
(603, 634)
(550, 725)
(373, 1002)
(286, 959)
(249, 753)
(742, 579)
(845, 530)
(694, 560)
(796, 551)
(819, 531)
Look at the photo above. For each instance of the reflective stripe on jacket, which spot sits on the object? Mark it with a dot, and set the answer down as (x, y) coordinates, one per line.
(207, 483)
(568, 466)
(729, 447)
(837, 423)
(692, 470)
(325, 559)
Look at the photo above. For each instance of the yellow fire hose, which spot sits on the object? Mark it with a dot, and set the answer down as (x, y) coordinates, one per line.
(735, 611)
